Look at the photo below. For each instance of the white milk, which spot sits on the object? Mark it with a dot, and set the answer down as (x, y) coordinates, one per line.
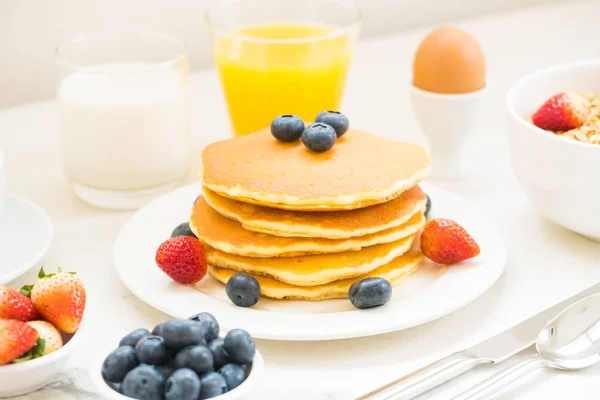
(124, 131)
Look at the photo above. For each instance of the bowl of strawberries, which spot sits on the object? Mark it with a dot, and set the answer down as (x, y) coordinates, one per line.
(554, 138)
(39, 329)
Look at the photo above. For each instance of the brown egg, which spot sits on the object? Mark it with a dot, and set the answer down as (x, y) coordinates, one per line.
(449, 61)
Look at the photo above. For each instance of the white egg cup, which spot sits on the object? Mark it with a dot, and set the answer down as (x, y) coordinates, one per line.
(447, 120)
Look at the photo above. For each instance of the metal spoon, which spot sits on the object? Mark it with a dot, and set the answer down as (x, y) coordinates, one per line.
(570, 341)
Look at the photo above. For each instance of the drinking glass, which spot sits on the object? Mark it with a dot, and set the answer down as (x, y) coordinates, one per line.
(124, 116)
(282, 57)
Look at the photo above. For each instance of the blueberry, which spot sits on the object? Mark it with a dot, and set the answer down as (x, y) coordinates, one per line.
(428, 205)
(211, 326)
(144, 383)
(243, 290)
(158, 329)
(197, 358)
(180, 333)
(240, 346)
(234, 375)
(370, 292)
(153, 350)
(287, 128)
(166, 369)
(114, 386)
(134, 337)
(219, 354)
(319, 137)
(184, 384)
(212, 384)
(119, 363)
(183, 229)
(338, 121)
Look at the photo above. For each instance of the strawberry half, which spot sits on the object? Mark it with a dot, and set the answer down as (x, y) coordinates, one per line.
(446, 242)
(561, 112)
(16, 339)
(182, 259)
(60, 298)
(14, 305)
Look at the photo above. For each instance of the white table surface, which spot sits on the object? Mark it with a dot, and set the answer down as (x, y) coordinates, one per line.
(546, 263)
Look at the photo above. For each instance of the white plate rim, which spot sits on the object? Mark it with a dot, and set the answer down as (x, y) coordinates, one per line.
(358, 330)
(27, 265)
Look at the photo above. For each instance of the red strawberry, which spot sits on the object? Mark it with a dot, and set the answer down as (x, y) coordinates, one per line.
(16, 339)
(60, 298)
(446, 242)
(562, 112)
(182, 258)
(52, 337)
(14, 305)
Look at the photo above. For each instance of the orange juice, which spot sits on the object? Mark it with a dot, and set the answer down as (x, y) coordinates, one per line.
(268, 70)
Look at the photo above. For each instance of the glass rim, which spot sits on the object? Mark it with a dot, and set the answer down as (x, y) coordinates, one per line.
(169, 62)
(350, 4)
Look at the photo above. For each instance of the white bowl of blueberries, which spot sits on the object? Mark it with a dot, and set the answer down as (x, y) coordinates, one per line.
(181, 360)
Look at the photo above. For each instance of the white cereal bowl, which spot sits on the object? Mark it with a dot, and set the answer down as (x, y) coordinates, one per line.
(558, 175)
(239, 393)
(26, 377)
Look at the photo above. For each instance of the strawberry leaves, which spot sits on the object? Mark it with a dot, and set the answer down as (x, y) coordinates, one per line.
(36, 351)
(26, 289)
(42, 274)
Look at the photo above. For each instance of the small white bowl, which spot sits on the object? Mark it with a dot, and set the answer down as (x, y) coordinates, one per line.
(28, 376)
(558, 175)
(239, 393)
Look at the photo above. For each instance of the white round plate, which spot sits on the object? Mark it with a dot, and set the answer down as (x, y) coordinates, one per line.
(430, 293)
(25, 236)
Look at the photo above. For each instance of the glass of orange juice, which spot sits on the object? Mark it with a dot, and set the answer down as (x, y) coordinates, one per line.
(282, 57)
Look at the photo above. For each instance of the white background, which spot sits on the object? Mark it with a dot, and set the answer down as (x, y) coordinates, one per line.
(31, 29)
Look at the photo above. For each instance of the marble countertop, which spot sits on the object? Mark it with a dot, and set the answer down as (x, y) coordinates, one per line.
(546, 263)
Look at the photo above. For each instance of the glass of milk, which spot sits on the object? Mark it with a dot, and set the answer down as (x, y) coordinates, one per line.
(124, 116)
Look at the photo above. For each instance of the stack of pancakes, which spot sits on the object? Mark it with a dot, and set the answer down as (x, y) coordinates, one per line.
(307, 225)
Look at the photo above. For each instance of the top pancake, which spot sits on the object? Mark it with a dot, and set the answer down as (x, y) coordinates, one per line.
(332, 225)
(360, 170)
